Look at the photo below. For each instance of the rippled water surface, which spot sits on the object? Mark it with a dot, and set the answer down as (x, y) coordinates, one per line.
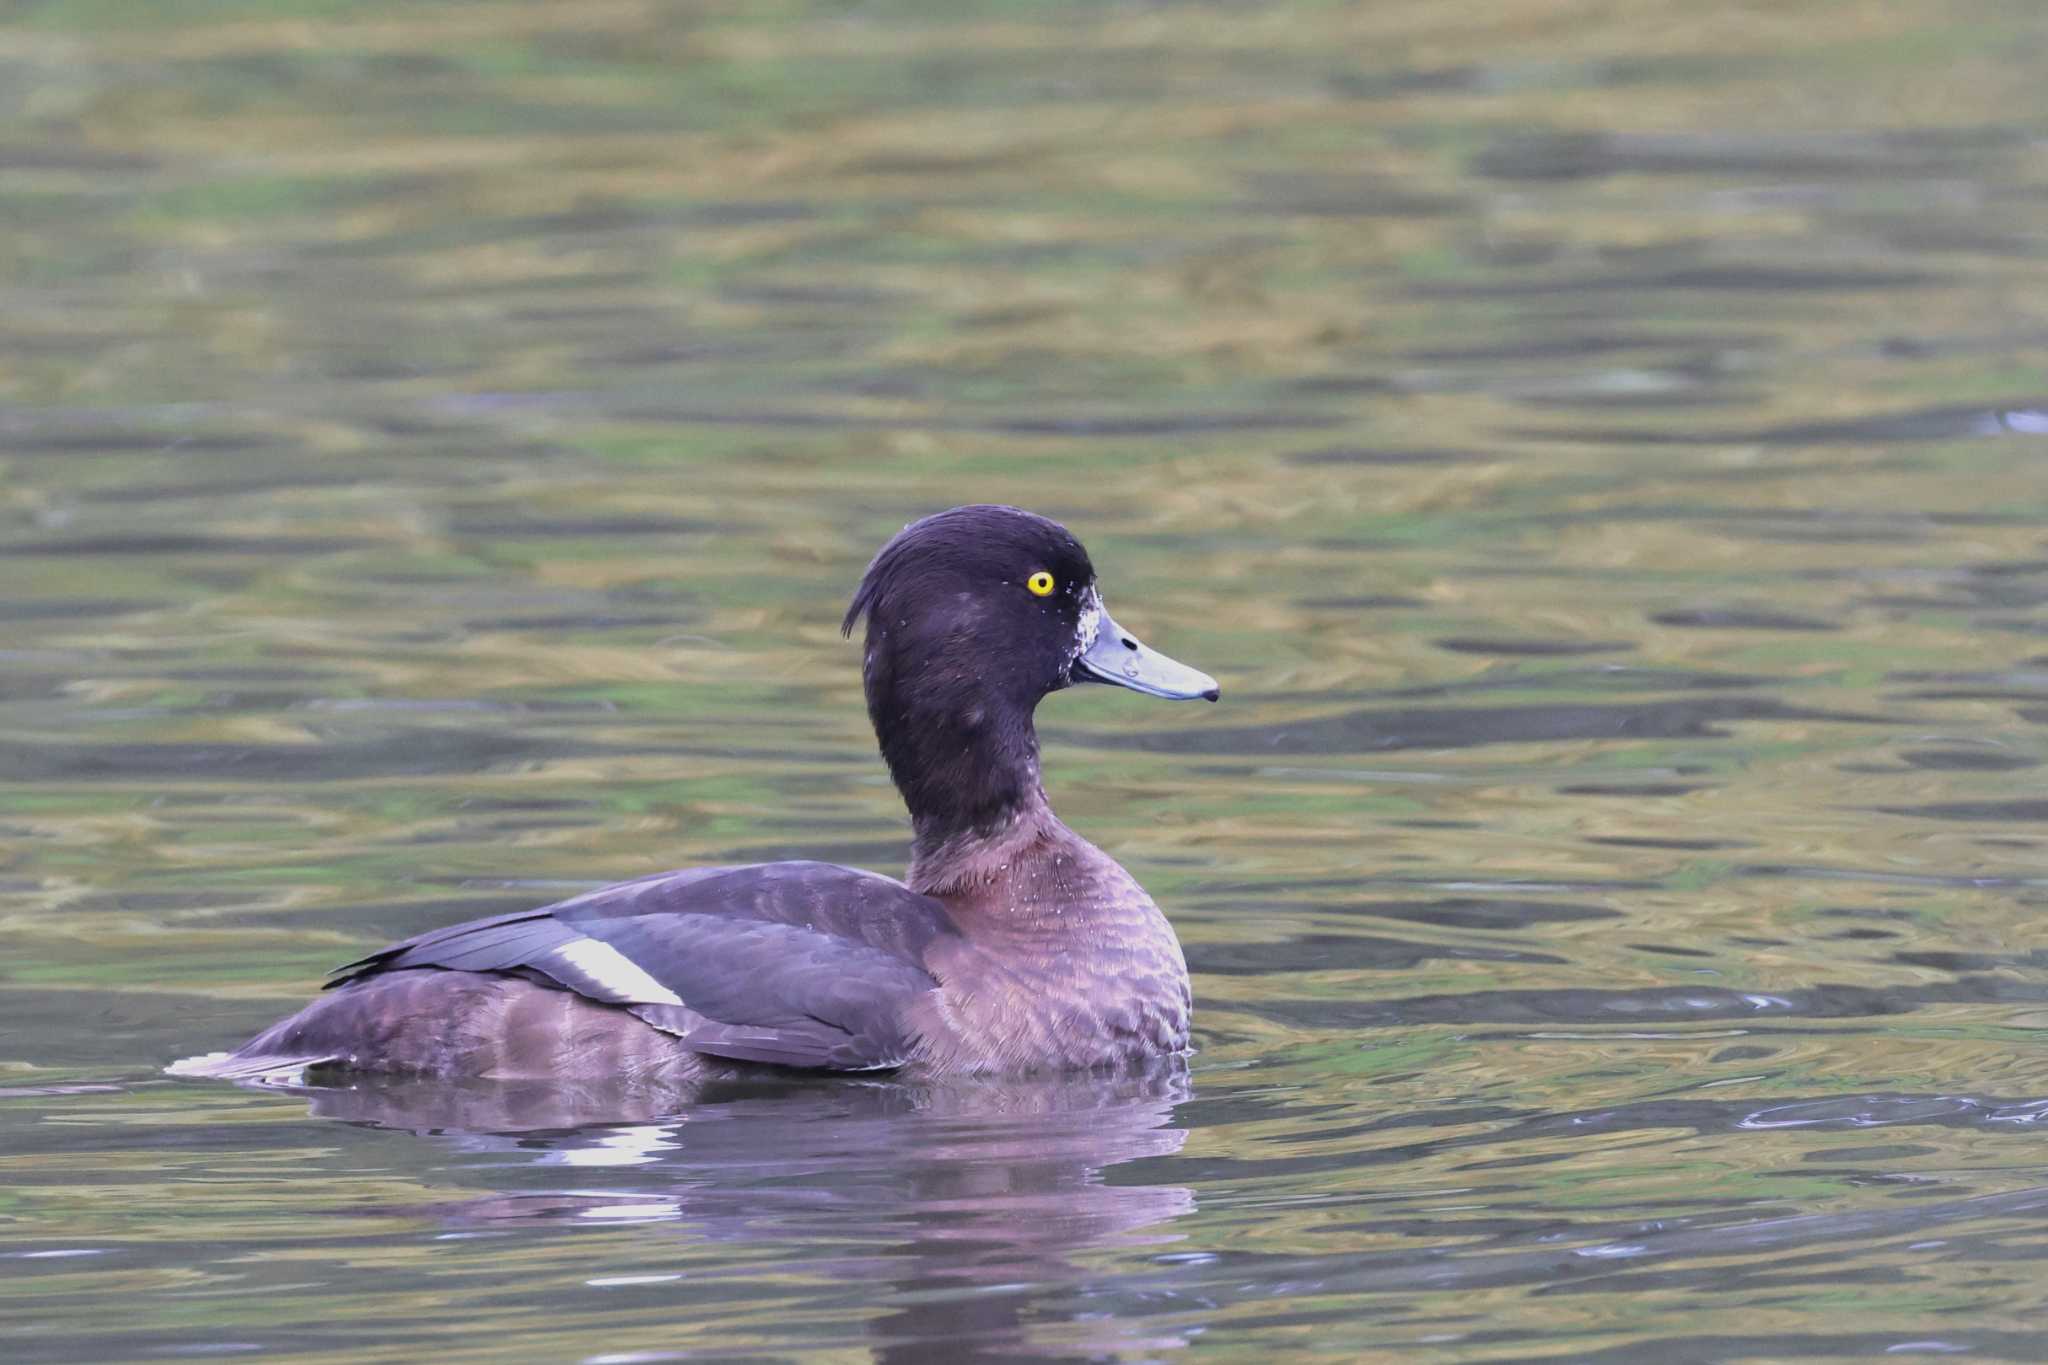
(1600, 449)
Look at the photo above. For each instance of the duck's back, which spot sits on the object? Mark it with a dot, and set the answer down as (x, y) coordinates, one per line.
(797, 964)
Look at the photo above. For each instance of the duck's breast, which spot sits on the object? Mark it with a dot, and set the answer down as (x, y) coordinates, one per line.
(1062, 963)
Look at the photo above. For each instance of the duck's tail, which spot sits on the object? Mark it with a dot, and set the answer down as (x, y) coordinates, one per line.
(426, 1022)
(269, 1068)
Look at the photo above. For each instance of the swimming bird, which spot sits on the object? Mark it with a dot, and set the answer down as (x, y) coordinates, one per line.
(1013, 944)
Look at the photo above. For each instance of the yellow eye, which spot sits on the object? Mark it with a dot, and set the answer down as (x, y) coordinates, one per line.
(1040, 583)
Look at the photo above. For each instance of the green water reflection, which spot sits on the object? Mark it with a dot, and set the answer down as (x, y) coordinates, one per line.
(1598, 450)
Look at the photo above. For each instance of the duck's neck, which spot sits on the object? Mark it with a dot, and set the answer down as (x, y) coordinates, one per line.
(971, 858)
(969, 775)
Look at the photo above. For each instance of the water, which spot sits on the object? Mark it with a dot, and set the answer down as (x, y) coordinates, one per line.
(1598, 450)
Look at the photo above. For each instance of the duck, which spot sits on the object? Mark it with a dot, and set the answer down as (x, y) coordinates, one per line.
(1011, 946)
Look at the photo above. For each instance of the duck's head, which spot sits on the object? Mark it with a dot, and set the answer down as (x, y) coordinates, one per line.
(974, 615)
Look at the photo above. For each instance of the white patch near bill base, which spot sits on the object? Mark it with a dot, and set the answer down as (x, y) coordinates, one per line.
(1090, 624)
(612, 970)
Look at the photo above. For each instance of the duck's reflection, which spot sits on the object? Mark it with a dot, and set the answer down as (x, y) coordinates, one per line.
(963, 1203)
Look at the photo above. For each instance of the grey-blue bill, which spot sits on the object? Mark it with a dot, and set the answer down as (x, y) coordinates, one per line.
(1121, 658)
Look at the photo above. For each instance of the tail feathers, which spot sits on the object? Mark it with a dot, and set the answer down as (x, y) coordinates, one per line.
(270, 1067)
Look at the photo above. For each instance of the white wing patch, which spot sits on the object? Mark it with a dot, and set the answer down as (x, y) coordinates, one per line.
(613, 973)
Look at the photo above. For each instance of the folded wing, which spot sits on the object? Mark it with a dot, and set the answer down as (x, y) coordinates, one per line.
(798, 964)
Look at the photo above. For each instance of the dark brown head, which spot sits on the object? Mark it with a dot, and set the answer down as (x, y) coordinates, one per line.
(974, 615)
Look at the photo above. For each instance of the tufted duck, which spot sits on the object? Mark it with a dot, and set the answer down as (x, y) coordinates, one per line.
(1014, 944)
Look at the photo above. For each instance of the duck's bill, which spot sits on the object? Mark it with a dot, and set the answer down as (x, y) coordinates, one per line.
(1119, 657)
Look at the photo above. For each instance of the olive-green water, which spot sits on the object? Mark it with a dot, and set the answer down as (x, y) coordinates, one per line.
(1601, 449)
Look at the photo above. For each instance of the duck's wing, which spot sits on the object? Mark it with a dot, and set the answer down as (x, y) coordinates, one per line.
(798, 964)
